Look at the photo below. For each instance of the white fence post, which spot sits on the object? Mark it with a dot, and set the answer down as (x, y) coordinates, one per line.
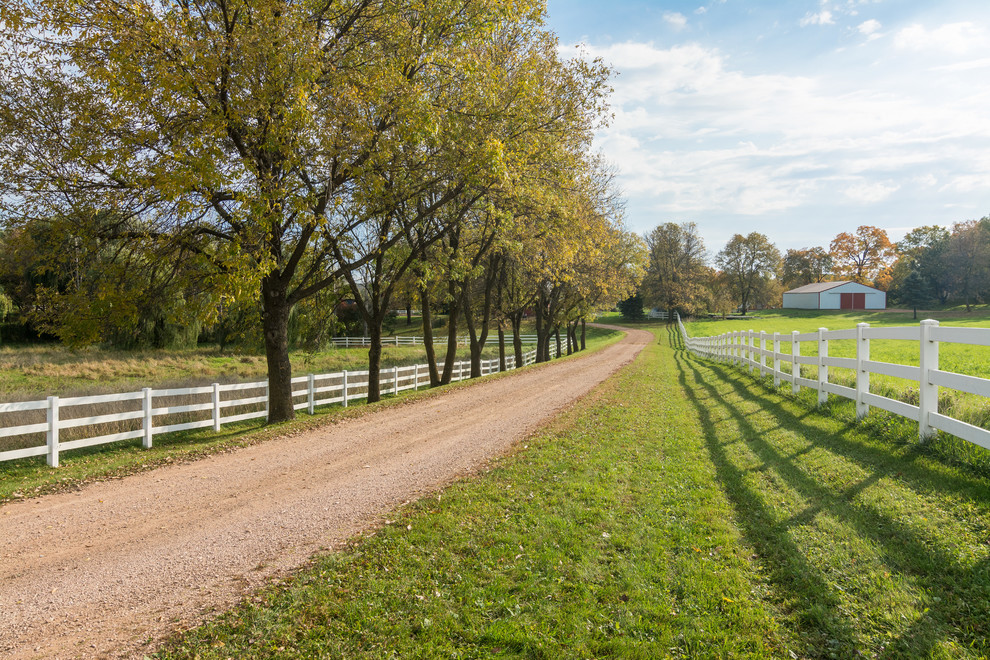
(795, 367)
(216, 406)
(776, 359)
(750, 345)
(862, 375)
(146, 401)
(763, 353)
(52, 431)
(395, 379)
(927, 393)
(822, 369)
(311, 394)
(416, 378)
(343, 387)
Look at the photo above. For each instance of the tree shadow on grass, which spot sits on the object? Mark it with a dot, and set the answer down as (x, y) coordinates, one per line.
(956, 597)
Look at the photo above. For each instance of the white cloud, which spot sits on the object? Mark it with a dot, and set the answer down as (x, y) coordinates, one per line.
(696, 137)
(964, 66)
(676, 20)
(870, 28)
(823, 17)
(871, 192)
(954, 38)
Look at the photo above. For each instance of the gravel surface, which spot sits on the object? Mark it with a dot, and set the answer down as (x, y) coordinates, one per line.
(112, 569)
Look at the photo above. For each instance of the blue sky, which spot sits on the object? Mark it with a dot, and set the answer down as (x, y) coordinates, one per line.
(797, 119)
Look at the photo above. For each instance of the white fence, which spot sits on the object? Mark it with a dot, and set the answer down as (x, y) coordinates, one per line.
(149, 410)
(407, 340)
(741, 348)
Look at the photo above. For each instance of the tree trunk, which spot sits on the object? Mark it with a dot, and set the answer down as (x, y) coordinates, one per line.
(408, 312)
(431, 354)
(275, 322)
(557, 335)
(583, 333)
(542, 334)
(451, 357)
(473, 343)
(375, 362)
(501, 347)
(517, 338)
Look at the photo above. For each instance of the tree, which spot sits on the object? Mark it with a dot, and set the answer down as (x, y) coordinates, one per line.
(862, 256)
(915, 291)
(968, 256)
(747, 262)
(632, 308)
(675, 270)
(805, 266)
(923, 250)
(719, 296)
(238, 130)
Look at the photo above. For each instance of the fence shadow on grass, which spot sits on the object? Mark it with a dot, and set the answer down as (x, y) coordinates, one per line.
(939, 575)
(910, 460)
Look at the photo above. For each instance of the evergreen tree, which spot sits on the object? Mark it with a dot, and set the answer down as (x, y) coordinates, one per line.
(915, 291)
(632, 308)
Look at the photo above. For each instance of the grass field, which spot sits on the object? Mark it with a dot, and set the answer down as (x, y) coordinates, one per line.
(34, 372)
(970, 360)
(28, 477)
(959, 358)
(683, 510)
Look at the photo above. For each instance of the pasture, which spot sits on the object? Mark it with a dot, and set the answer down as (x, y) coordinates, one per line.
(28, 477)
(969, 360)
(38, 371)
(959, 358)
(683, 510)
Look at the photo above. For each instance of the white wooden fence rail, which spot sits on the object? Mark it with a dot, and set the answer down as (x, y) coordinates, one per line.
(308, 392)
(749, 349)
(408, 340)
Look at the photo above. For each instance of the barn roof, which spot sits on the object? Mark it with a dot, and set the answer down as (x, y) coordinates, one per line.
(818, 287)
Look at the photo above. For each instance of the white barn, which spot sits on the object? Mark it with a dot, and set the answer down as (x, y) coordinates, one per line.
(835, 295)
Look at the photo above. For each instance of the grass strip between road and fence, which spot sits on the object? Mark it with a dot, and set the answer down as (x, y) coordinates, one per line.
(681, 510)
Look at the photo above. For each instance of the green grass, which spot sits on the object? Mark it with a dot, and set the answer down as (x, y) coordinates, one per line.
(30, 477)
(970, 360)
(958, 358)
(683, 510)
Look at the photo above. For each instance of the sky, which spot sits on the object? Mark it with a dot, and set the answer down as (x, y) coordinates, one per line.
(798, 119)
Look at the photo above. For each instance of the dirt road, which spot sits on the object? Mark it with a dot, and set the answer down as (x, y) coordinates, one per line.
(108, 570)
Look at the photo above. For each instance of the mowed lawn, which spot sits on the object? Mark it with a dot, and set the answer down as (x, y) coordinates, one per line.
(683, 510)
(970, 360)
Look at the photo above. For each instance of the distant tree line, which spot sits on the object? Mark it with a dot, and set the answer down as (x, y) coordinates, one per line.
(931, 265)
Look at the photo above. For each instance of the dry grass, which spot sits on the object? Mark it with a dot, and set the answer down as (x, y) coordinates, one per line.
(34, 373)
